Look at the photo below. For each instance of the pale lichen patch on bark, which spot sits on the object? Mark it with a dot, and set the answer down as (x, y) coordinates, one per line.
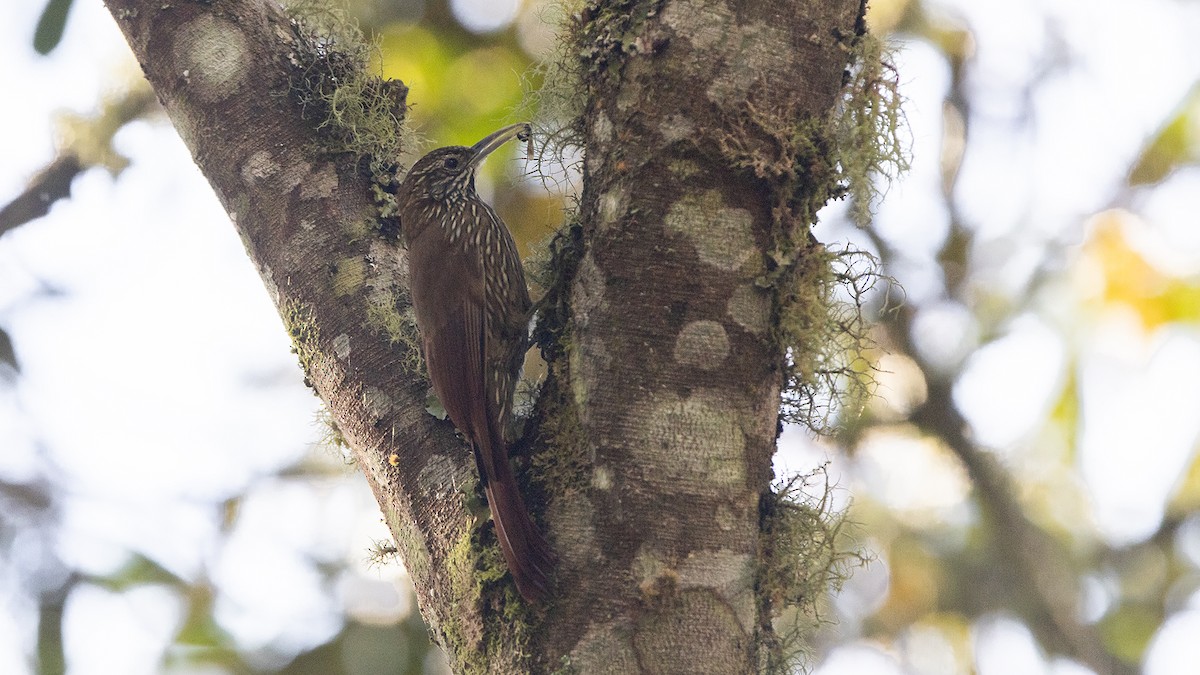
(725, 518)
(376, 402)
(750, 308)
(294, 174)
(694, 632)
(588, 294)
(722, 235)
(655, 578)
(749, 64)
(592, 356)
(602, 478)
(605, 648)
(321, 183)
(630, 98)
(602, 128)
(693, 445)
(706, 22)
(211, 57)
(702, 344)
(612, 206)
(676, 127)
(731, 574)
(259, 166)
(341, 346)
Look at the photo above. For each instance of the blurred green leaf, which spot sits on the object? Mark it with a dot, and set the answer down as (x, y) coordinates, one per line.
(200, 628)
(137, 571)
(1176, 144)
(459, 91)
(50, 26)
(1128, 629)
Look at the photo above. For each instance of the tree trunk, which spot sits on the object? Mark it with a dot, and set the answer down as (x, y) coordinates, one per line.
(656, 430)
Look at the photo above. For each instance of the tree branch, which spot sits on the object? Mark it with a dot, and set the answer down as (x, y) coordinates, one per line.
(657, 457)
(228, 74)
(90, 145)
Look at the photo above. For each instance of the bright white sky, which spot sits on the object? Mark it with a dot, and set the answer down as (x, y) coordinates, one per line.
(161, 325)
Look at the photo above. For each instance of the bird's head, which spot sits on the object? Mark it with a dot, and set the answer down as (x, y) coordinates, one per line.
(448, 174)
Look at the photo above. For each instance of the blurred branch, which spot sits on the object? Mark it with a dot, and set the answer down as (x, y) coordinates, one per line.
(1041, 572)
(51, 656)
(48, 186)
(87, 143)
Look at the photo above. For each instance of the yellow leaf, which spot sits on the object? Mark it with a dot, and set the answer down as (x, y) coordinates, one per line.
(1176, 144)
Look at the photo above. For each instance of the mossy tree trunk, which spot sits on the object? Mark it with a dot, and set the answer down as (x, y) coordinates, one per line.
(658, 425)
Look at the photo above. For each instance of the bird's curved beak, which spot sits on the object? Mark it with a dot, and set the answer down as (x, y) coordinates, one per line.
(489, 143)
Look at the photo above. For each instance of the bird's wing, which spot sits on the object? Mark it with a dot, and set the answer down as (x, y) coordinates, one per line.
(447, 293)
(455, 355)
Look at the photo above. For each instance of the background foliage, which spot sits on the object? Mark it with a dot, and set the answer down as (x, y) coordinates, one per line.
(1026, 476)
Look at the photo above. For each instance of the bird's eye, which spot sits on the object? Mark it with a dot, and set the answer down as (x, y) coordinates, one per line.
(450, 163)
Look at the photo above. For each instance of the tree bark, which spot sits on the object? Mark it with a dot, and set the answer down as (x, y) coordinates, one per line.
(224, 72)
(657, 430)
(675, 371)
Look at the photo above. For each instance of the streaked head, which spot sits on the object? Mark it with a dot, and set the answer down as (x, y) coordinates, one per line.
(448, 174)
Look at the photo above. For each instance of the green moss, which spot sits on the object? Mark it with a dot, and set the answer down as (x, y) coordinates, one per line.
(561, 459)
(348, 274)
(460, 562)
(358, 230)
(302, 327)
(804, 556)
(384, 314)
(478, 581)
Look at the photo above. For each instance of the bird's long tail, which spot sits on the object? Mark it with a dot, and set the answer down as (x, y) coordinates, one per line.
(526, 551)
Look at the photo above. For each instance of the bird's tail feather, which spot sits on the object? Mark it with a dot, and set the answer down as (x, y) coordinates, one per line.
(526, 551)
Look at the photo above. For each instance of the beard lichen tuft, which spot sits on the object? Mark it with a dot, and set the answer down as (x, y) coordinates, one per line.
(870, 127)
(331, 437)
(355, 111)
(822, 324)
(555, 98)
(820, 292)
(805, 555)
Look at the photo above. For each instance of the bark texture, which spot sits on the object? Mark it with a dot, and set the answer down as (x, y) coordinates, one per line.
(673, 366)
(670, 371)
(224, 71)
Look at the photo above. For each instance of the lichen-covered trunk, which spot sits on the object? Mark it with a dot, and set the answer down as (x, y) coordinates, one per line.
(656, 430)
(241, 81)
(674, 366)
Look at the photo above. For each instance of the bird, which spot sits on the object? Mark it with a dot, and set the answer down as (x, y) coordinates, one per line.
(472, 310)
